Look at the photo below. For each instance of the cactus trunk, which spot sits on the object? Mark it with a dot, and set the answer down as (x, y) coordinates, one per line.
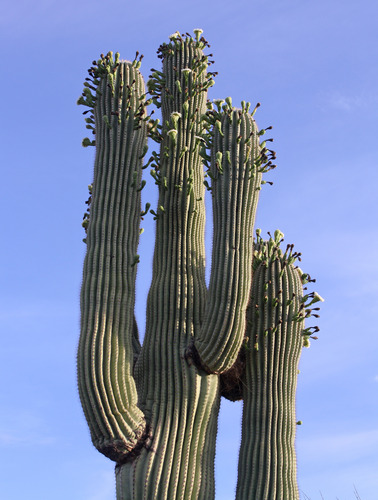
(179, 401)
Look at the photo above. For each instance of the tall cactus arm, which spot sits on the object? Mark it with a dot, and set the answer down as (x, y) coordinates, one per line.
(276, 335)
(179, 401)
(108, 341)
(237, 163)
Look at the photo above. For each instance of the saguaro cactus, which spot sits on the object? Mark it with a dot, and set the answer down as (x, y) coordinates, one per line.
(153, 408)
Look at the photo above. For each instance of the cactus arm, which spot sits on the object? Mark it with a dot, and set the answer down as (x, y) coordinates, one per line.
(275, 315)
(237, 163)
(179, 401)
(108, 330)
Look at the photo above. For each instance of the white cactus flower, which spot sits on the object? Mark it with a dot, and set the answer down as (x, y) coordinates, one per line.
(172, 134)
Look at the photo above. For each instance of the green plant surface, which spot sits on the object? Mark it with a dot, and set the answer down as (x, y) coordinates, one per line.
(153, 408)
(275, 336)
(108, 341)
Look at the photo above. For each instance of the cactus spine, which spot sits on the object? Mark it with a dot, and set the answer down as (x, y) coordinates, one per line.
(153, 408)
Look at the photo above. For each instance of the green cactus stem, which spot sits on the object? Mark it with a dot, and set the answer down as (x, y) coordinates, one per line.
(109, 340)
(276, 335)
(236, 166)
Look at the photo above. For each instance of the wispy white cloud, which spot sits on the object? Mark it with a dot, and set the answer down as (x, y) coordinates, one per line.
(339, 482)
(346, 447)
(348, 102)
(342, 249)
(33, 309)
(103, 487)
(44, 10)
(24, 428)
(344, 102)
(29, 439)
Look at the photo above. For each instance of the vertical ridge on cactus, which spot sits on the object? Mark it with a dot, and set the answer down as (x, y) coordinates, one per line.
(153, 408)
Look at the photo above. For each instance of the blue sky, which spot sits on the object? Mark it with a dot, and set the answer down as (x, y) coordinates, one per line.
(313, 67)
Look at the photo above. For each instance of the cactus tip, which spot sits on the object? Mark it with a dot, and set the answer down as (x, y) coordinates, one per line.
(278, 236)
(317, 298)
(198, 32)
(172, 134)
